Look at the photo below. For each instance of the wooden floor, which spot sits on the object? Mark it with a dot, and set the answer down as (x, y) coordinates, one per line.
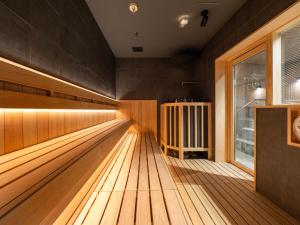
(220, 193)
(142, 186)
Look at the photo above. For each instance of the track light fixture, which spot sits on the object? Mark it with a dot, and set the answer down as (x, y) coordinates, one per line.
(133, 7)
(204, 15)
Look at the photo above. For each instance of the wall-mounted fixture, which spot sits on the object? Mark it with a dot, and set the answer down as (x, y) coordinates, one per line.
(184, 83)
(204, 15)
(133, 7)
(258, 86)
(183, 20)
(137, 49)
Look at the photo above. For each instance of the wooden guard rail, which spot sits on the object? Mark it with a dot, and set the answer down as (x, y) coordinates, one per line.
(186, 126)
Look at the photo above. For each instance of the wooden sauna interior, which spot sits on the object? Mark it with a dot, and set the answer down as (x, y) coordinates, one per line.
(139, 113)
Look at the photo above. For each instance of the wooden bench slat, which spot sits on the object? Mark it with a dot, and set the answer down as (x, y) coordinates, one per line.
(132, 182)
(99, 183)
(13, 189)
(71, 212)
(13, 155)
(69, 181)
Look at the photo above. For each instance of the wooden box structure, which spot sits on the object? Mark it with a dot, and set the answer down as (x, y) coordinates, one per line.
(186, 127)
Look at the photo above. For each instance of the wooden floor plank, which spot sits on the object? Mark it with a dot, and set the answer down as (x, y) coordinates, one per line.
(273, 210)
(236, 202)
(222, 201)
(143, 210)
(215, 209)
(159, 212)
(184, 210)
(251, 204)
(127, 213)
(193, 213)
(202, 211)
(212, 210)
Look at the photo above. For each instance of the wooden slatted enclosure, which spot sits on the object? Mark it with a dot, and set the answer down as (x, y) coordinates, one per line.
(186, 127)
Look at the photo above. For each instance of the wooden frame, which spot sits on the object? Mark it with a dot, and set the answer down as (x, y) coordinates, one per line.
(262, 46)
(178, 143)
(292, 113)
(265, 34)
(221, 69)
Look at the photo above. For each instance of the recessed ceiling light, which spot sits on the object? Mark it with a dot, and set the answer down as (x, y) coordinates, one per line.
(183, 20)
(133, 7)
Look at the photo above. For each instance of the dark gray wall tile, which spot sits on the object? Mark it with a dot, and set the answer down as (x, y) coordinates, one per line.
(59, 37)
(152, 79)
(277, 164)
(21, 8)
(14, 36)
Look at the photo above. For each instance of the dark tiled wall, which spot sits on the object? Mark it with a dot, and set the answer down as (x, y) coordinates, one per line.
(277, 164)
(252, 15)
(152, 79)
(59, 37)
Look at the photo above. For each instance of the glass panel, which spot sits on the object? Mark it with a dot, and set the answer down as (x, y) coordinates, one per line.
(290, 65)
(249, 91)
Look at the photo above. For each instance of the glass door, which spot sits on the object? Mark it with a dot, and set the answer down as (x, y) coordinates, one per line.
(248, 91)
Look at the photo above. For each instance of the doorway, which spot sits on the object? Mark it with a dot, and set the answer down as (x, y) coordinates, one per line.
(248, 82)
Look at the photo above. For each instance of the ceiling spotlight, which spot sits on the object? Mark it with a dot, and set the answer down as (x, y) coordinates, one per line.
(133, 7)
(204, 15)
(298, 79)
(183, 20)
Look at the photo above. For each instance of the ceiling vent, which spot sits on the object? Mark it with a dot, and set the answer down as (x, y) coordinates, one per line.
(137, 49)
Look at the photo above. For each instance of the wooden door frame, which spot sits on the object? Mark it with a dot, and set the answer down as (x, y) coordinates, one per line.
(265, 45)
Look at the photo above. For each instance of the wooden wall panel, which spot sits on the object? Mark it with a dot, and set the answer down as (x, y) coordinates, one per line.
(21, 128)
(1, 131)
(143, 114)
(42, 125)
(29, 128)
(13, 130)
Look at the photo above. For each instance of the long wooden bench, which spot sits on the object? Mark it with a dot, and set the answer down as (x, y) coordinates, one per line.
(41, 183)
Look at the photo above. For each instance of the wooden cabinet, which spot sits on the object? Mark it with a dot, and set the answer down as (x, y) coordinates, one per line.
(186, 127)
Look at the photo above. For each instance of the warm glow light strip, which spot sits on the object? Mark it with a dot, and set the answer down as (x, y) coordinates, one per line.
(53, 78)
(57, 110)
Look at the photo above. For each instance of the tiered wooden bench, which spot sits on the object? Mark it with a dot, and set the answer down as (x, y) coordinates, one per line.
(43, 183)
